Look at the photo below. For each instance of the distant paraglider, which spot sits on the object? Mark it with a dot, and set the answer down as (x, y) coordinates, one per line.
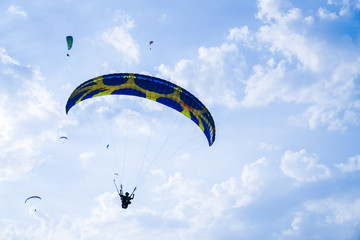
(69, 41)
(150, 43)
(32, 197)
(63, 139)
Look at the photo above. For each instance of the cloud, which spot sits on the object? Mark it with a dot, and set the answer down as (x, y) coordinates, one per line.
(186, 209)
(303, 167)
(211, 76)
(352, 165)
(194, 214)
(6, 59)
(264, 86)
(296, 67)
(328, 216)
(295, 225)
(17, 10)
(30, 118)
(346, 6)
(268, 10)
(85, 158)
(326, 14)
(241, 192)
(241, 35)
(334, 211)
(254, 174)
(282, 37)
(119, 37)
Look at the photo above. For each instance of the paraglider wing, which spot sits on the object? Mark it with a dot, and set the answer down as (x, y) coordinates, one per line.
(32, 197)
(63, 137)
(152, 88)
(69, 40)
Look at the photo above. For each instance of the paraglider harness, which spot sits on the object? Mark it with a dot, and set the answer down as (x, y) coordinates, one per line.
(125, 199)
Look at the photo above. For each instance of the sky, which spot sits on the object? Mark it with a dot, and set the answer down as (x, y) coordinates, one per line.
(280, 78)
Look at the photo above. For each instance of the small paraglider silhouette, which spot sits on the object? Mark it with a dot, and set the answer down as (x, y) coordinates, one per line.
(63, 139)
(32, 198)
(69, 41)
(150, 43)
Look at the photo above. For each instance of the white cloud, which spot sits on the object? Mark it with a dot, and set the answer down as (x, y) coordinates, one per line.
(86, 157)
(281, 36)
(335, 211)
(326, 14)
(194, 214)
(254, 174)
(241, 192)
(211, 76)
(233, 193)
(40, 103)
(298, 68)
(345, 6)
(17, 10)
(24, 118)
(309, 19)
(352, 165)
(119, 37)
(303, 167)
(241, 35)
(295, 225)
(264, 85)
(186, 211)
(5, 58)
(198, 210)
(268, 10)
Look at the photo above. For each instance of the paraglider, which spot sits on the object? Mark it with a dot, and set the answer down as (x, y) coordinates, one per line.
(152, 88)
(150, 43)
(63, 139)
(32, 197)
(69, 41)
(125, 198)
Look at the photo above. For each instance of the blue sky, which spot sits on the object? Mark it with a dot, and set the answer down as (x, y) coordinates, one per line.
(281, 79)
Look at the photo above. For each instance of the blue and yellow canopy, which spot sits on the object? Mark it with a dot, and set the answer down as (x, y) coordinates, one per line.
(152, 88)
